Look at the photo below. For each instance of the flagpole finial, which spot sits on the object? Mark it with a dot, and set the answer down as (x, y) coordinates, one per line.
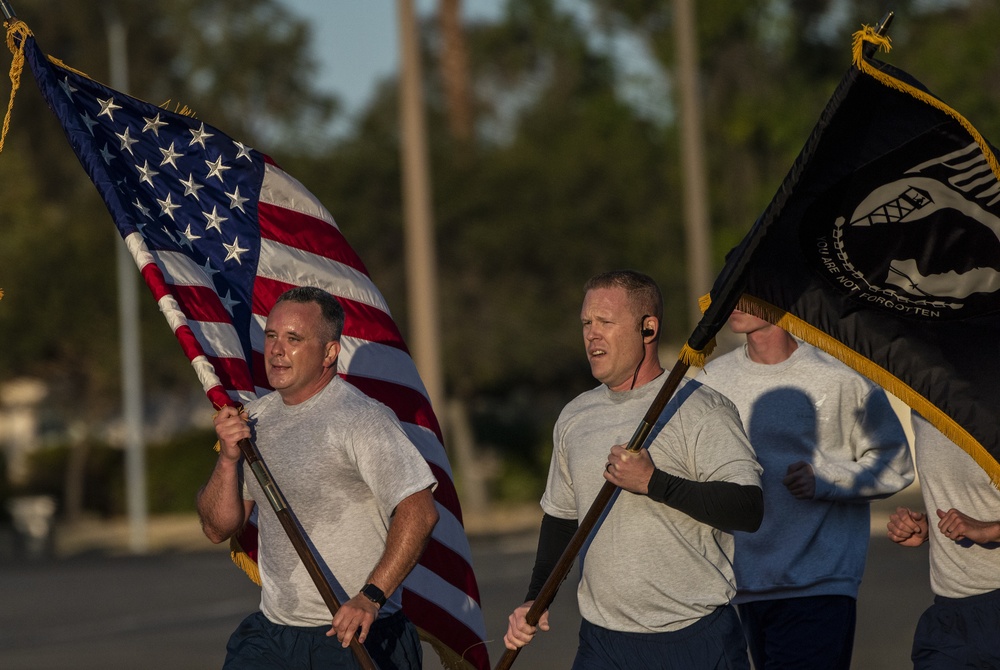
(882, 27)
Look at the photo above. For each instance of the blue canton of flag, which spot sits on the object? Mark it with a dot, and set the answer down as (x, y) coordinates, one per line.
(184, 187)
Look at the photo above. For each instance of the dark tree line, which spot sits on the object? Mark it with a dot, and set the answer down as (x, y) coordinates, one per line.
(557, 177)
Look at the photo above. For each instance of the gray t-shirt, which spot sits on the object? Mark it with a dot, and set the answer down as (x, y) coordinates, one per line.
(949, 478)
(343, 463)
(649, 568)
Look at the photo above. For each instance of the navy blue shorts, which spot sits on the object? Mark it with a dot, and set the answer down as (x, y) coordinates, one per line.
(712, 643)
(958, 633)
(259, 644)
(816, 632)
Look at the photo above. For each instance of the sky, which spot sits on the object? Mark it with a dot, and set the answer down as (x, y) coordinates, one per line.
(355, 42)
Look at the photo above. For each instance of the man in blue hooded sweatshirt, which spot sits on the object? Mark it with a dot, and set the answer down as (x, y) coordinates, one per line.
(829, 442)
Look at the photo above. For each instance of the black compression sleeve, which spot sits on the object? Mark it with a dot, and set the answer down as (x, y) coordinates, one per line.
(553, 538)
(724, 505)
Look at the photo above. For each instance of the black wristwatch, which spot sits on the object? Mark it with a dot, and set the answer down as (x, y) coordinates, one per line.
(373, 593)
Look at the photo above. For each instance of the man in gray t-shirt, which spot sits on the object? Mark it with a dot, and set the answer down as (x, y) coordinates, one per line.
(358, 487)
(961, 522)
(656, 574)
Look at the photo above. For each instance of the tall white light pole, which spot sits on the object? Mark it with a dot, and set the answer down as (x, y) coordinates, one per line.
(128, 307)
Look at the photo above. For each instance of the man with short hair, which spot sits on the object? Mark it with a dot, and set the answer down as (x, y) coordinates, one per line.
(357, 485)
(829, 442)
(656, 574)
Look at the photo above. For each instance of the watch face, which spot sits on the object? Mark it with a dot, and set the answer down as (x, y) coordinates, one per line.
(374, 594)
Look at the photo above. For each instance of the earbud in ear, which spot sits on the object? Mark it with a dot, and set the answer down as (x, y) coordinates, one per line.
(645, 330)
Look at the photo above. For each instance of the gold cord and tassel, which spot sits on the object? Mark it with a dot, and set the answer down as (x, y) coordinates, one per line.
(15, 29)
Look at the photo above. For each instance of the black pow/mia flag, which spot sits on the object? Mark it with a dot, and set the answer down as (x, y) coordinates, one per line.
(886, 253)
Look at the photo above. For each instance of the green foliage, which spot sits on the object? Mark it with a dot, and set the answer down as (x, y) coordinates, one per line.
(519, 427)
(518, 482)
(563, 179)
(175, 470)
(103, 480)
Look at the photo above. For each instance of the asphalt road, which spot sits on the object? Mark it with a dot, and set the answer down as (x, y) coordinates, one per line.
(176, 609)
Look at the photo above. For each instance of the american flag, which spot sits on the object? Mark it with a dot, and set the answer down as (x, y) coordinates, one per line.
(218, 232)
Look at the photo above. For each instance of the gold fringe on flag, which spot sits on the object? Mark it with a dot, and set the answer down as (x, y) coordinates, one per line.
(704, 302)
(868, 34)
(59, 63)
(243, 560)
(182, 110)
(691, 357)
